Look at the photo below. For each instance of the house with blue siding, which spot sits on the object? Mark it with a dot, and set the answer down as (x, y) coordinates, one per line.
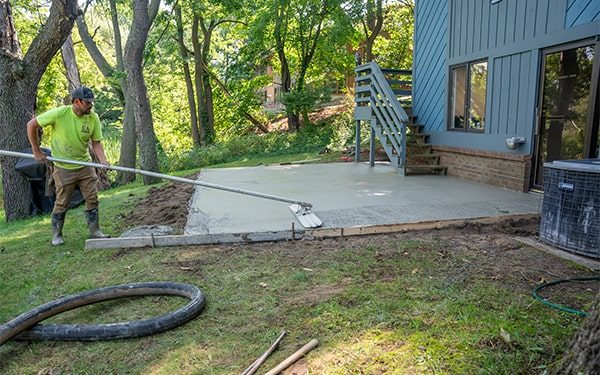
(503, 86)
(498, 88)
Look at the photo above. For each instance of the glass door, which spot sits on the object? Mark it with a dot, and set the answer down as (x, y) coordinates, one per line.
(567, 120)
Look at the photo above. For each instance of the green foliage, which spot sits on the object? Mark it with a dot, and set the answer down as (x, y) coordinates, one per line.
(394, 47)
(304, 100)
(334, 134)
(230, 110)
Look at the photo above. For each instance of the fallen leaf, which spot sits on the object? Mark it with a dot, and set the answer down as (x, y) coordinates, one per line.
(505, 336)
(308, 269)
(264, 285)
(415, 271)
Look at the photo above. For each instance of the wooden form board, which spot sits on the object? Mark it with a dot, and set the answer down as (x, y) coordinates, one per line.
(288, 235)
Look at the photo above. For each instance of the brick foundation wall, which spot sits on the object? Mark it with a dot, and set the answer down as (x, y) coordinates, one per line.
(494, 168)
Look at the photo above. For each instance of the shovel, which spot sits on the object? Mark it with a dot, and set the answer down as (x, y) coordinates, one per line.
(301, 210)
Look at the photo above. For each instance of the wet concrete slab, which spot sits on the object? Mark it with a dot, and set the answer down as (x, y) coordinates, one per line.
(344, 195)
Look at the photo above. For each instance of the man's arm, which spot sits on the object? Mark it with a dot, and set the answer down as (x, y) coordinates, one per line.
(32, 134)
(99, 152)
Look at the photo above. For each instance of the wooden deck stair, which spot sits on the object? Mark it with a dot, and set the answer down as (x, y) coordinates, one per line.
(383, 100)
(420, 158)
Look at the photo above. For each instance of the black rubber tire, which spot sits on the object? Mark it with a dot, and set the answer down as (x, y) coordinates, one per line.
(25, 327)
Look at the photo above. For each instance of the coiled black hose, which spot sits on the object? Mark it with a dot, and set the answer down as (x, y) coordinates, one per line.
(25, 327)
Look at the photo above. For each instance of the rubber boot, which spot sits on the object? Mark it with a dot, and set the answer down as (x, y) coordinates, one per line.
(93, 224)
(58, 221)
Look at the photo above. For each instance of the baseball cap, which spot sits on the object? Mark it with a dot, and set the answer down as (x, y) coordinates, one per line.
(83, 93)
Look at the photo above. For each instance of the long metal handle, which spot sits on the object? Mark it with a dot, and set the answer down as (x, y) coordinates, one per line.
(165, 176)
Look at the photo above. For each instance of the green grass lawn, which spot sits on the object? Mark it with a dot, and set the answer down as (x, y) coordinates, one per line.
(398, 304)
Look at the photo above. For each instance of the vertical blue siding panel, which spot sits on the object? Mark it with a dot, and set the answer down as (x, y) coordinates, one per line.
(541, 21)
(511, 19)
(556, 15)
(525, 81)
(455, 27)
(520, 20)
(464, 30)
(477, 24)
(470, 27)
(493, 26)
(504, 96)
(514, 88)
(500, 23)
(485, 24)
(496, 90)
(530, 19)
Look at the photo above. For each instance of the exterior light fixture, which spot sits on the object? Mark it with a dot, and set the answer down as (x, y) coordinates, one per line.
(514, 142)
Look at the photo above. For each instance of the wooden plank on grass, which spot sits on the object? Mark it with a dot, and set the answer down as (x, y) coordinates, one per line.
(186, 240)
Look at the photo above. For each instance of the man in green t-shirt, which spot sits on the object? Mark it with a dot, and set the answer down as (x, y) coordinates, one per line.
(72, 127)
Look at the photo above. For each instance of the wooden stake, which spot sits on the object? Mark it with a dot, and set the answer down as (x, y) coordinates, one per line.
(256, 364)
(293, 358)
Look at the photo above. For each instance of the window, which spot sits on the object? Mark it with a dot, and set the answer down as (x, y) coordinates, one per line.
(467, 96)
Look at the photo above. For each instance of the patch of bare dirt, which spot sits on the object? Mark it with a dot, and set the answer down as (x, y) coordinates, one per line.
(165, 205)
(298, 368)
(316, 294)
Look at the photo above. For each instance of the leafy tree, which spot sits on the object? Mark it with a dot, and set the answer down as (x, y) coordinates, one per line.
(393, 21)
(395, 46)
(298, 29)
(19, 79)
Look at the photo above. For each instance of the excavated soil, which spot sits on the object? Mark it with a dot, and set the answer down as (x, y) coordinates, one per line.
(166, 205)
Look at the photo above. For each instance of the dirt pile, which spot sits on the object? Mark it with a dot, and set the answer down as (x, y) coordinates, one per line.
(166, 205)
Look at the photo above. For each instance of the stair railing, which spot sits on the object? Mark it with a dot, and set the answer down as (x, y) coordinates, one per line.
(378, 103)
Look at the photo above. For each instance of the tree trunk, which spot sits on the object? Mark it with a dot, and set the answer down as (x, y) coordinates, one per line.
(286, 79)
(19, 79)
(374, 25)
(128, 155)
(16, 109)
(70, 64)
(137, 94)
(206, 85)
(198, 75)
(188, 77)
(583, 354)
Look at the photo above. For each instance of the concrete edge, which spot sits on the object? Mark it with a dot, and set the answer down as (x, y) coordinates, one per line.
(288, 235)
(591, 264)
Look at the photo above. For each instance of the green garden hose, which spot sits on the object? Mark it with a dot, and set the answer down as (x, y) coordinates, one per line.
(557, 306)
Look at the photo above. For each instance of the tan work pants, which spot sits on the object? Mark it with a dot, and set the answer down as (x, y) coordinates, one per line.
(65, 181)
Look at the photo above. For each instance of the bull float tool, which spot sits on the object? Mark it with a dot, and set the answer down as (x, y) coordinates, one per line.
(301, 210)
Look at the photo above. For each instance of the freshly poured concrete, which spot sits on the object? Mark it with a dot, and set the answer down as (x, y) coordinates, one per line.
(343, 195)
